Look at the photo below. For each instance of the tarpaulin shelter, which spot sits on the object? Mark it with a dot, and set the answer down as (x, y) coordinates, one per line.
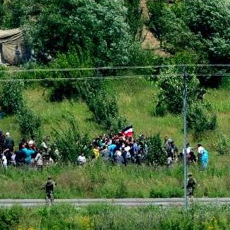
(12, 50)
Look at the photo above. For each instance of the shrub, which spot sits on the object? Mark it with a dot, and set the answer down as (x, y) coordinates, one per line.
(105, 109)
(134, 16)
(11, 96)
(69, 88)
(223, 145)
(122, 190)
(100, 102)
(155, 155)
(170, 97)
(30, 124)
(69, 140)
(10, 218)
(201, 118)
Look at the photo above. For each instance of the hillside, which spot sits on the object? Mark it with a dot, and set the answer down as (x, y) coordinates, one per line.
(107, 39)
(136, 101)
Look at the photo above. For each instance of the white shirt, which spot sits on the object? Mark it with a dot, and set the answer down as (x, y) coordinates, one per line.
(39, 159)
(81, 159)
(188, 150)
(200, 149)
(4, 161)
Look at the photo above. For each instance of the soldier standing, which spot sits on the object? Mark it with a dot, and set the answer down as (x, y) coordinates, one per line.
(191, 185)
(49, 188)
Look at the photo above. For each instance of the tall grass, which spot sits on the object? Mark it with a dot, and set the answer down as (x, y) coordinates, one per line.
(100, 180)
(136, 101)
(64, 217)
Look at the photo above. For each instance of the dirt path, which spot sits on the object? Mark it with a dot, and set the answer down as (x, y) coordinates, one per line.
(129, 202)
(149, 41)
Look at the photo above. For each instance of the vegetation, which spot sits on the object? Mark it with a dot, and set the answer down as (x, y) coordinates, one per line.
(196, 26)
(106, 31)
(156, 156)
(100, 180)
(115, 218)
(30, 124)
(70, 142)
(223, 145)
(11, 97)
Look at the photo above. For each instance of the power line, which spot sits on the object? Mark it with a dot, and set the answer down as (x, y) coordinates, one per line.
(111, 68)
(154, 76)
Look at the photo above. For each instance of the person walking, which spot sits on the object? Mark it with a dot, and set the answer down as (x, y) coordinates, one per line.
(49, 189)
(191, 185)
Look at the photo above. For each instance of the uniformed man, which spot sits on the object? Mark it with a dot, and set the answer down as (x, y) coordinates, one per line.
(49, 188)
(191, 185)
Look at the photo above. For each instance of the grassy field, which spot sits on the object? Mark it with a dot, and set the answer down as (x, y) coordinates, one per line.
(100, 180)
(115, 218)
(136, 100)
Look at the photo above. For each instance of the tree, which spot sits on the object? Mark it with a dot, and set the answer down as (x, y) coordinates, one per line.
(155, 155)
(69, 140)
(11, 99)
(97, 26)
(170, 97)
(211, 20)
(134, 16)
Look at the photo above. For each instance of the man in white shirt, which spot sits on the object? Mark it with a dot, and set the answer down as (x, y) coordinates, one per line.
(200, 150)
(81, 160)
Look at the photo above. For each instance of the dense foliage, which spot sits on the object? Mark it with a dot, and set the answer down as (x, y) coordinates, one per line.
(156, 156)
(196, 26)
(134, 16)
(201, 117)
(170, 98)
(223, 144)
(61, 25)
(70, 142)
(59, 217)
(11, 100)
(30, 124)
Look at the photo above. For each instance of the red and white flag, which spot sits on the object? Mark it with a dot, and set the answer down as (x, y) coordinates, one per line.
(128, 131)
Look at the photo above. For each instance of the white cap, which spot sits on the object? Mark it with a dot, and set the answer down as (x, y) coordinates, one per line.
(7, 134)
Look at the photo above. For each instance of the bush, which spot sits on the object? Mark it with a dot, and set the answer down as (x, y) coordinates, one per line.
(134, 16)
(166, 192)
(223, 145)
(30, 124)
(155, 155)
(200, 117)
(11, 96)
(170, 97)
(69, 140)
(10, 218)
(105, 109)
(69, 88)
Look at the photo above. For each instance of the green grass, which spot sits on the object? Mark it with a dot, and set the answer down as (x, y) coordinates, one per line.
(63, 217)
(136, 100)
(99, 180)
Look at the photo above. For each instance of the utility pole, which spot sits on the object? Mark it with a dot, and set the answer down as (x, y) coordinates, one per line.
(185, 136)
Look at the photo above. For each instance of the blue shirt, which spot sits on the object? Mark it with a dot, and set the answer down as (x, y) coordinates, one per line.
(112, 148)
(28, 153)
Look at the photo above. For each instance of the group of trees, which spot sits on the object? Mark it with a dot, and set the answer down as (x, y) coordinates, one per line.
(92, 33)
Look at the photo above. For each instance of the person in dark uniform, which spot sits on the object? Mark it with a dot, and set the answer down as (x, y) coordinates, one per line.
(191, 185)
(49, 189)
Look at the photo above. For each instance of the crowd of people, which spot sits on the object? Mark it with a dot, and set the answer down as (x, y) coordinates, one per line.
(27, 153)
(119, 149)
(123, 149)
